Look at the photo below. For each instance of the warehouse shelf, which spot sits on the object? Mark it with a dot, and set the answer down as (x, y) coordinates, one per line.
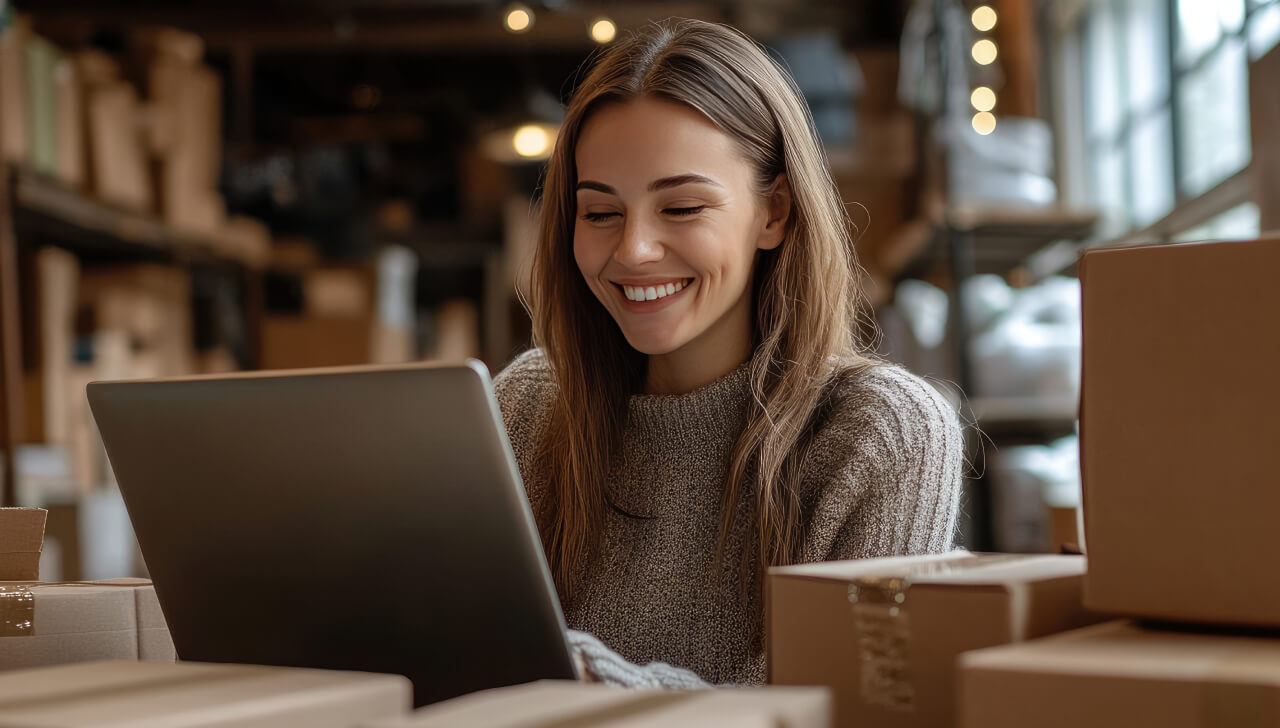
(70, 219)
(1025, 415)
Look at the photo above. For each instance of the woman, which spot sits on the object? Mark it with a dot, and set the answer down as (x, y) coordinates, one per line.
(698, 407)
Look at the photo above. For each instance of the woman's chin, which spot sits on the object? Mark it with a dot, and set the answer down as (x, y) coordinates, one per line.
(651, 345)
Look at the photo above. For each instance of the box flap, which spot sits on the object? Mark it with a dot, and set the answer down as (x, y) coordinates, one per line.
(1125, 650)
(21, 540)
(113, 693)
(551, 703)
(955, 569)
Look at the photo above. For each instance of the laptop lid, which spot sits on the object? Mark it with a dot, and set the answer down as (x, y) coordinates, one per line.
(357, 518)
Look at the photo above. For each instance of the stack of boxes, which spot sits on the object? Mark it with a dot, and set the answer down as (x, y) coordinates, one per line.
(1181, 494)
(1178, 438)
(143, 135)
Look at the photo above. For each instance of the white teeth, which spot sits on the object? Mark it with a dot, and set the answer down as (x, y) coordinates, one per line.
(650, 293)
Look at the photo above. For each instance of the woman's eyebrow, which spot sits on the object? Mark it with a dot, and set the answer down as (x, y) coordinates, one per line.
(654, 186)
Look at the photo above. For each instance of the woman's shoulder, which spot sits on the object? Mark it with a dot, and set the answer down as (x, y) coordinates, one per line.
(889, 405)
(525, 389)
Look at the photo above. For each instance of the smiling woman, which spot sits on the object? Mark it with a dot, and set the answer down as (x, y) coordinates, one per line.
(699, 407)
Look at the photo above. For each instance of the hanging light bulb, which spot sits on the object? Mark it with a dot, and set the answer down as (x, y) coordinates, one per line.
(519, 18)
(531, 141)
(603, 30)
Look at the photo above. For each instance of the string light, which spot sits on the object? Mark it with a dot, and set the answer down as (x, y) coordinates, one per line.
(984, 122)
(983, 99)
(519, 18)
(983, 18)
(984, 52)
(603, 30)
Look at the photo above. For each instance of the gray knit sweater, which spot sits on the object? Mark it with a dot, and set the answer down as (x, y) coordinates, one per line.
(882, 479)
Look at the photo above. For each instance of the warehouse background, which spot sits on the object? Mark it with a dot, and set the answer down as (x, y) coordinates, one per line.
(203, 187)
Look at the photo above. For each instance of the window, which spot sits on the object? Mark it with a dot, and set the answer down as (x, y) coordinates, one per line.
(1163, 111)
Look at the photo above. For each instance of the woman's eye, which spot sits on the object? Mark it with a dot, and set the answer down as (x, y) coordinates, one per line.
(598, 216)
(684, 210)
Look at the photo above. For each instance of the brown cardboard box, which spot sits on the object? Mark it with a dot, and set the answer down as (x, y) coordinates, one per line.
(1177, 436)
(338, 292)
(119, 163)
(21, 538)
(63, 622)
(56, 623)
(885, 633)
(57, 277)
(567, 704)
(14, 146)
(1118, 675)
(72, 166)
(291, 342)
(196, 695)
(154, 641)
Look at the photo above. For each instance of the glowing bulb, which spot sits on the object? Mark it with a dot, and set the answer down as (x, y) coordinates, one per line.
(519, 18)
(531, 141)
(984, 18)
(983, 98)
(984, 122)
(603, 30)
(984, 52)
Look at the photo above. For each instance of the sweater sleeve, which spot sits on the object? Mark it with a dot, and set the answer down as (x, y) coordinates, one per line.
(903, 472)
(525, 390)
(610, 668)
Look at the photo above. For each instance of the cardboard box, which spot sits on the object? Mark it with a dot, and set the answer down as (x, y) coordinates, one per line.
(14, 145)
(884, 634)
(1118, 675)
(196, 695)
(1177, 438)
(21, 538)
(120, 171)
(338, 292)
(291, 342)
(72, 165)
(568, 704)
(54, 623)
(155, 643)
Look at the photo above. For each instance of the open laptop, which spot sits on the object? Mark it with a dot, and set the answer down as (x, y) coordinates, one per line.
(356, 518)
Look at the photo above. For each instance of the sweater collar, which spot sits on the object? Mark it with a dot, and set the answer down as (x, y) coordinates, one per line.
(660, 426)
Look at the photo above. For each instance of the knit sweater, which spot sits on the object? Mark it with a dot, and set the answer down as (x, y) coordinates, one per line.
(882, 478)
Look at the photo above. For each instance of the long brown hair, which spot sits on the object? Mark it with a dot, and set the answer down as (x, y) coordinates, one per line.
(807, 298)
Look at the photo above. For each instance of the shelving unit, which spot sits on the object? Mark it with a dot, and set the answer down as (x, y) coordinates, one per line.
(38, 211)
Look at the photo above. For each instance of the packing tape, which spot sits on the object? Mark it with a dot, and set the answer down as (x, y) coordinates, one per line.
(17, 611)
(18, 604)
(1240, 691)
(883, 623)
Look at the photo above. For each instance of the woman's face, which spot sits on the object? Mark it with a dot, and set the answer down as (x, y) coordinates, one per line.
(668, 225)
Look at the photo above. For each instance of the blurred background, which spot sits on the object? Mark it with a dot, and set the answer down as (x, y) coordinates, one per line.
(197, 187)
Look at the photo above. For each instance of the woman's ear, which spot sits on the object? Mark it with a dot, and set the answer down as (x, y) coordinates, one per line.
(778, 214)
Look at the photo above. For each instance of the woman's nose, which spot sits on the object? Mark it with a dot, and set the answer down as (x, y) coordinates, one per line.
(639, 244)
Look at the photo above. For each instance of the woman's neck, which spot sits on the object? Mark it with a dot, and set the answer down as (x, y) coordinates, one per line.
(701, 361)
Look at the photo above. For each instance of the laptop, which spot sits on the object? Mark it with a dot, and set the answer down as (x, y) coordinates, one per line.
(354, 518)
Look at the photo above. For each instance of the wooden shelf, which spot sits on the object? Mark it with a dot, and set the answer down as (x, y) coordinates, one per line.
(68, 218)
(1003, 238)
(1030, 414)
